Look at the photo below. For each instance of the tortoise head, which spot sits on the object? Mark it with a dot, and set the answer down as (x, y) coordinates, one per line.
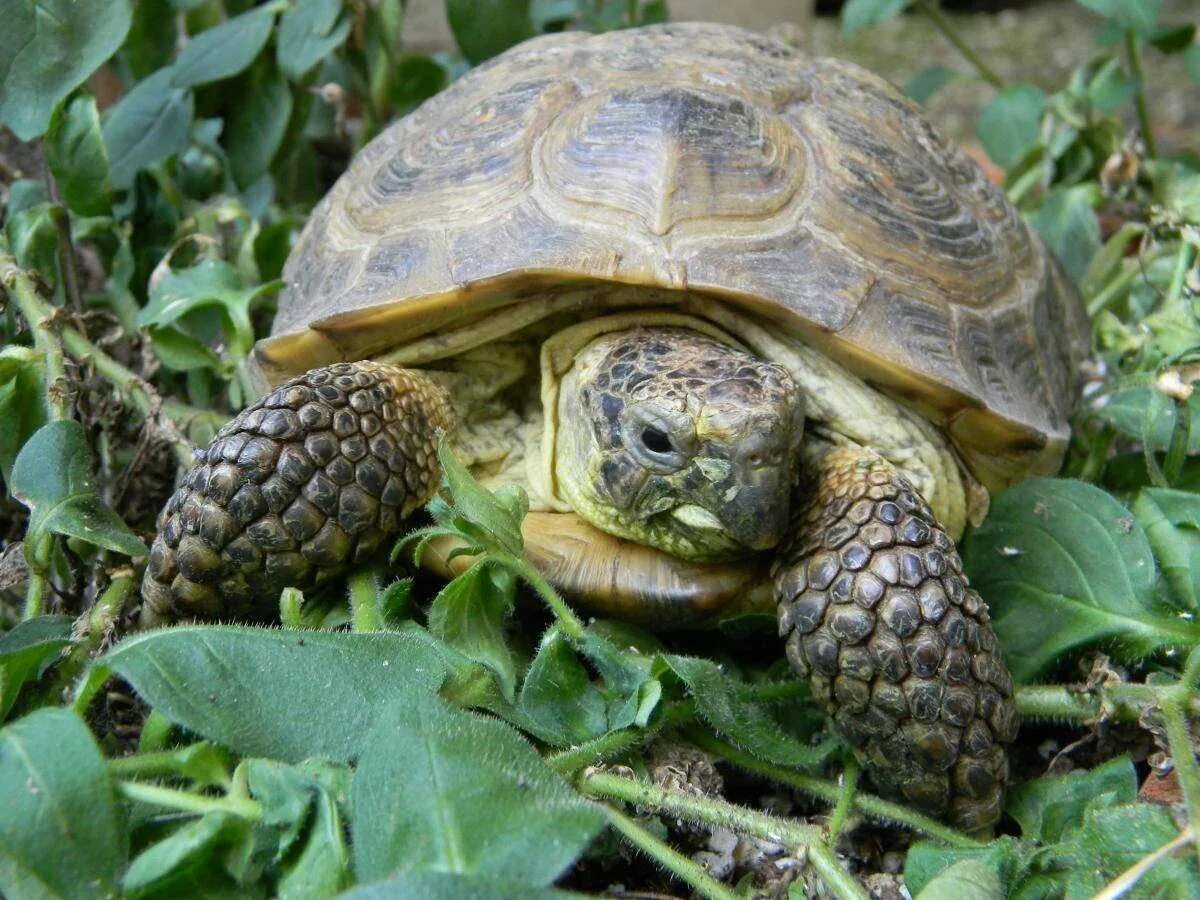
(675, 440)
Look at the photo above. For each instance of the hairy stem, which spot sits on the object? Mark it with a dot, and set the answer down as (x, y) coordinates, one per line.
(677, 864)
(613, 744)
(935, 14)
(1179, 738)
(1122, 702)
(364, 602)
(869, 805)
(1134, 51)
(709, 811)
(849, 780)
(568, 622)
(185, 801)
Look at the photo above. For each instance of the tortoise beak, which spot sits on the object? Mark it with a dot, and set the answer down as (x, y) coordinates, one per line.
(755, 513)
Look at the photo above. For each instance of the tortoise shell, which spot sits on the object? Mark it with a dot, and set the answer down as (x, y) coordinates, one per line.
(709, 159)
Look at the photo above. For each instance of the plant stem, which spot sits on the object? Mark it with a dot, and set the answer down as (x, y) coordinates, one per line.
(837, 819)
(676, 863)
(185, 801)
(66, 247)
(99, 620)
(19, 287)
(364, 602)
(935, 14)
(1134, 51)
(837, 878)
(1113, 290)
(875, 807)
(1179, 738)
(1122, 702)
(568, 622)
(1183, 262)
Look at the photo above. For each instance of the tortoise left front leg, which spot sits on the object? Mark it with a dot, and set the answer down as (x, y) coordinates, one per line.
(878, 615)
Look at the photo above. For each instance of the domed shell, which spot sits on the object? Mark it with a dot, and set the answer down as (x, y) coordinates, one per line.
(706, 158)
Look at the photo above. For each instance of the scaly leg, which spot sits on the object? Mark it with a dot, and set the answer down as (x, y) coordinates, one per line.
(313, 477)
(878, 615)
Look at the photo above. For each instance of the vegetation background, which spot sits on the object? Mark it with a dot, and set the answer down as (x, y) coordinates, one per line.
(160, 156)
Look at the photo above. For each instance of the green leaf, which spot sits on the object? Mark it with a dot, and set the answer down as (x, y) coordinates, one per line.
(491, 520)
(468, 614)
(151, 40)
(1126, 411)
(26, 651)
(415, 78)
(257, 121)
(732, 709)
(928, 82)
(168, 867)
(1010, 124)
(631, 692)
(323, 865)
(926, 863)
(1191, 59)
(150, 123)
(449, 886)
(558, 699)
(1068, 224)
(1111, 88)
(224, 50)
(1174, 38)
(1171, 520)
(47, 49)
(1138, 16)
(1052, 808)
(1114, 838)
(860, 14)
(1063, 565)
(53, 477)
(308, 33)
(22, 408)
(181, 352)
(75, 153)
(61, 834)
(426, 774)
(484, 28)
(33, 237)
(972, 878)
(281, 694)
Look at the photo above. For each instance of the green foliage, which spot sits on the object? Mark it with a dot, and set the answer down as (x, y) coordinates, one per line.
(445, 752)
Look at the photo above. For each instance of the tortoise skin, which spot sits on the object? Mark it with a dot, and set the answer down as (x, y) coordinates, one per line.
(879, 617)
(706, 158)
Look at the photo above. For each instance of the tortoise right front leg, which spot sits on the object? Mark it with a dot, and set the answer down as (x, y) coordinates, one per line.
(879, 617)
(313, 477)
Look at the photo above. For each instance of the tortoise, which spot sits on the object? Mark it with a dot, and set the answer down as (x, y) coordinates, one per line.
(742, 323)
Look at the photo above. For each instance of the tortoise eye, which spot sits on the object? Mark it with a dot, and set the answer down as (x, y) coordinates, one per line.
(656, 440)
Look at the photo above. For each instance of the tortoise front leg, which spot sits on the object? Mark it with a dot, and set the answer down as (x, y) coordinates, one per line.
(313, 477)
(878, 615)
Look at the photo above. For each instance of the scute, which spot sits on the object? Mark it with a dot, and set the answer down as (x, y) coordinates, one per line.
(698, 157)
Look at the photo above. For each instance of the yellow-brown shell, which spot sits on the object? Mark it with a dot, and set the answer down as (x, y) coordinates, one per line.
(712, 159)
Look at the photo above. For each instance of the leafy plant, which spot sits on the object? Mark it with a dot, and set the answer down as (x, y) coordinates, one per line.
(354, 749)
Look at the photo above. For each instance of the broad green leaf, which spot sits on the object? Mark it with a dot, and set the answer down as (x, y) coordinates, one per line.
(1063, 566)
(1138, 16)
(61, 833)
(926, 862)
(323, 866)
(484, 28)
(224, 50)
(1114, 838)
(1111, 88)
(860, 14)
(632, 693)
(181, 352)
(1126, 411)
(75, 153)
(489, 518)
(151, 41)
(168, 867)
(281, 694)
(1009, 125)
(33, 238)
(972, 878)
(1068, 224)
(53, 477)
(558, 699)
(286, 794)
(445, 790)
(149, 124)
(47, 49)
(468, 614)
(1171, 520)
(1052, 808)
(308, 33)
(449, 886)
(22, 407)
(257, 121)
(734, 712)
(928, 82)
(415, 78)
(26, 650)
